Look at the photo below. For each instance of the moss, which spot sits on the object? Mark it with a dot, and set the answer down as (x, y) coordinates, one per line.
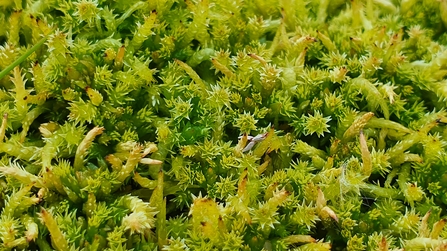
(223, 125)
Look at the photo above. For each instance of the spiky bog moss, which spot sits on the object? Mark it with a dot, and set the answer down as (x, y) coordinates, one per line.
(123, 120)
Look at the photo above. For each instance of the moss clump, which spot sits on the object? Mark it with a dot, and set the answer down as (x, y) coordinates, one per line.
(223, 125)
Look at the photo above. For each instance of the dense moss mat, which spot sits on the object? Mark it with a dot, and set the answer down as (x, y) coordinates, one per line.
(223, 125)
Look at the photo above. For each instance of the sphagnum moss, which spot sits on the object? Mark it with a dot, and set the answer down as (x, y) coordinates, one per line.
(223, 125)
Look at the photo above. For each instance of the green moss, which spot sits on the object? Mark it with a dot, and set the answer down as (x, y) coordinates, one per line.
(223, 125)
